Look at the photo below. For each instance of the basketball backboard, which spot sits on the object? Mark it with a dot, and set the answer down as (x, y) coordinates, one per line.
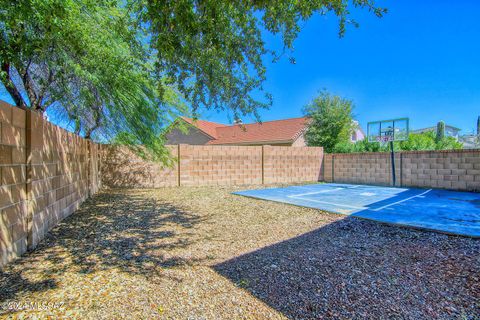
(388, 130)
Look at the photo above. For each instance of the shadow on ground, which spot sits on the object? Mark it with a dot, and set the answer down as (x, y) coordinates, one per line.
(354, 268)
(349, 268)
(124, 230)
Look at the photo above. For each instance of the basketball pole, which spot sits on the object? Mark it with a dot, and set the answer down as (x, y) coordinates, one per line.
(392, 155)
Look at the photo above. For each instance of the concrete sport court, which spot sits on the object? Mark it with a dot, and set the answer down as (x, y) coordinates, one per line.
(439, 210)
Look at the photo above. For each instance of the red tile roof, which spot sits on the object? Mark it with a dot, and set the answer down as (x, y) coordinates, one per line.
(208, 127)
(286, 130)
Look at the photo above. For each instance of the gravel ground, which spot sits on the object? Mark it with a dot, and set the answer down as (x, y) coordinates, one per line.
(202, 253)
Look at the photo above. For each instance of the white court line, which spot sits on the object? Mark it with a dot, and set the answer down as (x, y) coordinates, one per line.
(316, 192)
(349, 206)
(403, 200)
(333, 203)
(322, 191)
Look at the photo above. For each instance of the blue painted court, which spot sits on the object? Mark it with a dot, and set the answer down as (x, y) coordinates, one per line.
(440, 210)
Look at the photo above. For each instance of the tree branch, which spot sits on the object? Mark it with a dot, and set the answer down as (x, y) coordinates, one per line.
(41, 95)
(11, 88)
(97, 120)
(32, 95)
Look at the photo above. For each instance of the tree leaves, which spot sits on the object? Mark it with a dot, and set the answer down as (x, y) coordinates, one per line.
(84, 61)
(122, 70)
(332, 121)
(214, 49)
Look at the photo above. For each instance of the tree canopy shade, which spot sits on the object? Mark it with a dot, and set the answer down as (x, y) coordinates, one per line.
(122, 70)
(213, 49)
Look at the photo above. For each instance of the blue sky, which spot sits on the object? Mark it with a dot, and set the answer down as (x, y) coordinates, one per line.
(422, 61)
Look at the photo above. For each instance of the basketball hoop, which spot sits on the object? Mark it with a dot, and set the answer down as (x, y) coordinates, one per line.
(384, 139)
(388, 131)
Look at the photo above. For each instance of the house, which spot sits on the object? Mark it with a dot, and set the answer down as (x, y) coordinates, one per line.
(471, 141)
(450, 131)
(200, 132)
(286, 132)
(357, 134)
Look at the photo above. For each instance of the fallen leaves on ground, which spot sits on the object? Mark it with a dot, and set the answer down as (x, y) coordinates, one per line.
(203, 253)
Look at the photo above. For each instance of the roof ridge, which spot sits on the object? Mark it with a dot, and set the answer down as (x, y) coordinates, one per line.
(257, 123)
(207, 127)
(304, 117)
(196, 120)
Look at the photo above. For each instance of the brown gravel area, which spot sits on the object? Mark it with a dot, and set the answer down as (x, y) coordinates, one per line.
(202, 253)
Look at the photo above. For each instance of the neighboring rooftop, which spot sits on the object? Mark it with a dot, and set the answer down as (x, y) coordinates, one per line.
(433, 128)
(470, 141)
(286, 130)
(208, 127)
(277, 131)
(450, 131)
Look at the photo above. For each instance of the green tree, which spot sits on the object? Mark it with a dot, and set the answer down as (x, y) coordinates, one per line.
(428, 141)
(359, 146)
(214, 49)
(416, 141)
(448, 143)
(331, 121)
(440, 131)
(85, 62)
(122, 69)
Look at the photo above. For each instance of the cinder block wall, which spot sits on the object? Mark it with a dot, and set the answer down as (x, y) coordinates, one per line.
(13, 196)
(121, 168)
(46, 173)
(95, 164)
(215, 165)
(448, 169)
(292, 164)
(220, 165)
(445, 169)
(59, 164)
(363, 168)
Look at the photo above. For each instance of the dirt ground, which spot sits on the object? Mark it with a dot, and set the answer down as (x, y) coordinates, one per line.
(203, 253)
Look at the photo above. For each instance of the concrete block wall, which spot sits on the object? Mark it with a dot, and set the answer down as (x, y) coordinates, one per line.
(59, 168)
(95, 165)
(220, 165)
(46, 173)
(13, 196)
(447, 169)
(292, 164)
(444, 169)
(327, 167)
(122, 168)
(362, 168)
(214, 165)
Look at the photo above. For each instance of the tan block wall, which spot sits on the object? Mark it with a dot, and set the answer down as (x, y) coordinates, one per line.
(446, 169)
(46, 173)
(13, 199)
(95, 165)
(363, 168)
(121, 168)
(292, 164)
(214, 165)
(456, 170)
(59, 175)
(327, 167)
(220, 165)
